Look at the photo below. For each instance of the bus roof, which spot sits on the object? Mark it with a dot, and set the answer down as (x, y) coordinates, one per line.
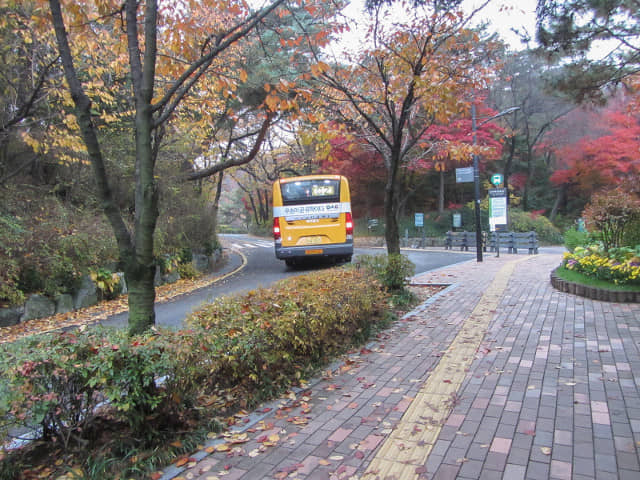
(309, 177)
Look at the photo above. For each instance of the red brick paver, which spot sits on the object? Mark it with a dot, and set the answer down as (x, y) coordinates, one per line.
(550, 391)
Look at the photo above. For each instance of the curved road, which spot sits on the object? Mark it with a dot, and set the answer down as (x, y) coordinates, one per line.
(252, 264)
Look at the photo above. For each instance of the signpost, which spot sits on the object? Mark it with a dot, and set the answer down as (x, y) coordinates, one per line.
(419, 222)
(457, 220)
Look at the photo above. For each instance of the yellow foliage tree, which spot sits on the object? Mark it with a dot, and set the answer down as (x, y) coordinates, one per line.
(420, 70)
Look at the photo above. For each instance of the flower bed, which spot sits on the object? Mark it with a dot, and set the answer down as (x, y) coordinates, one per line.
(617, 266)
(620, 266)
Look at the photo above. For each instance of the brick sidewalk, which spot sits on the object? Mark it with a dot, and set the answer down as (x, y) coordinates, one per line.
(498, 376)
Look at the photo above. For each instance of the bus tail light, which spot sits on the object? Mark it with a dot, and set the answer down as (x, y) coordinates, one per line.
(276, 228)
(349, 224)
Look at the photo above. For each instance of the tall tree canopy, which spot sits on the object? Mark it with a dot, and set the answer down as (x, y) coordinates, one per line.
(571, 28)
(139, 63)
(420, 71)
(604, 155)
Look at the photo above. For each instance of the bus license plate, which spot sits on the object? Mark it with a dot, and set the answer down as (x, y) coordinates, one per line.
(315, 240)
(317, 251)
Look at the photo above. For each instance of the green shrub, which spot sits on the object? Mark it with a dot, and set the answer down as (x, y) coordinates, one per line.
(269, 336)
(187, 270)
(611, 213)
(631, 235)
(107, 283)
(48, 379)
(520, 221)
(393, 271)
(240, 349)
(47, 245)
(574, 238)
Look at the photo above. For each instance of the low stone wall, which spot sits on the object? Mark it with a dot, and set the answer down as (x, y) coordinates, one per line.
(593, 293)
(39, 306)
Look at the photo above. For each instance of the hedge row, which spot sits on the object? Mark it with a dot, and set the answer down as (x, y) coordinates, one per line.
(237, 348)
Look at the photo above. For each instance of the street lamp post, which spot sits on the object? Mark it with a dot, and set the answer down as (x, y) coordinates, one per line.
(476, 174)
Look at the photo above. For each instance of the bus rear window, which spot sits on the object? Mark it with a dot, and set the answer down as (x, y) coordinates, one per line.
(310, 191)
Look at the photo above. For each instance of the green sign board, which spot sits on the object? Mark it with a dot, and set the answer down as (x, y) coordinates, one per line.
(496, 179)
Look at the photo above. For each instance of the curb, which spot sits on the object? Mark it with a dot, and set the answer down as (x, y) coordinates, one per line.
(594, 293)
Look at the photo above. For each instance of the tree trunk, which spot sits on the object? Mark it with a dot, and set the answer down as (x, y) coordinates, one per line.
(509, 164)
(216, 202)
(560, 199)
(142, 268)
(441, 193)
(392, 232)
(142, 293)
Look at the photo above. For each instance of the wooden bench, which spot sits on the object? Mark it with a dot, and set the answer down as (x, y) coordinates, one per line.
(464, 240)
(513, 241)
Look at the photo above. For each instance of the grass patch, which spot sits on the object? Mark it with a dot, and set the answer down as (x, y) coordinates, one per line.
(576, 277)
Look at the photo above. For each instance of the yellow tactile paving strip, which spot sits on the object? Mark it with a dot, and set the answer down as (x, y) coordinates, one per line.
(405, 451)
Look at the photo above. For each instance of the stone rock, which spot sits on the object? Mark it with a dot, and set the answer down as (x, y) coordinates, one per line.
(122, 283)
(200, 262)
(87, 294)
(171, 277)
(38, 306)
(64, 303)
(10, 316)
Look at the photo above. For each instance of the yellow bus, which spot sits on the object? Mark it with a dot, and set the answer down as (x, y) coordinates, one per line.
(312, 218)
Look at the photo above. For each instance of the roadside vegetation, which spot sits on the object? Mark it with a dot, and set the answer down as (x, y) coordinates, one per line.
(606, 253)
(98, 403)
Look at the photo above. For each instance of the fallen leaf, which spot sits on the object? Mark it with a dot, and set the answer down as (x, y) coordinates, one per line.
(545, 450)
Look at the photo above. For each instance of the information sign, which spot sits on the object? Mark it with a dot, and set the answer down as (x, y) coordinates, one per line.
(497, 208)
(419, 220)
(464, 175)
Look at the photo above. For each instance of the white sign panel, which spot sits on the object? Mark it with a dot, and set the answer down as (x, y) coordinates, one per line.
(311, 211)
(464, 175)
(497, 211)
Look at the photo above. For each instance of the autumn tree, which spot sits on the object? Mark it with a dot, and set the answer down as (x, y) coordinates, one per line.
(364, 168)
(255, 100)
(452, 147)
(416, 73)
(168, 53)
(600, 155)
(28, 72)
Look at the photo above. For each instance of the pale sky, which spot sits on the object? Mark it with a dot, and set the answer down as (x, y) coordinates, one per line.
(502, 14)
(507, 14)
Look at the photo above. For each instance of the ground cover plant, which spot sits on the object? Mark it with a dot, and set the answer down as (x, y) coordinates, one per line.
(617, 266)
(582, 279)
(102, 404)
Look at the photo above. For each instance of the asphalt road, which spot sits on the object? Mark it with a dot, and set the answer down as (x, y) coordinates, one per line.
(252, 264)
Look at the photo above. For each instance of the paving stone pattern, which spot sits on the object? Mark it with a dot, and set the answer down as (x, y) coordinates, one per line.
(498, 376)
